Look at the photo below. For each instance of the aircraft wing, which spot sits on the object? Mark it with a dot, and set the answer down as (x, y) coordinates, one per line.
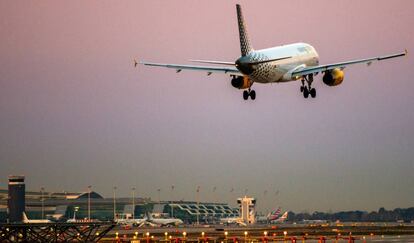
(208, 69)
(342, 65)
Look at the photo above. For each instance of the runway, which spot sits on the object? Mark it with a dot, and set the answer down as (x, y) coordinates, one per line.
(282, 233)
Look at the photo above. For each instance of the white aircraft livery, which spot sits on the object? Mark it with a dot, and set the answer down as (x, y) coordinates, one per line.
(293, 62)
(34, 221)
(163, 221)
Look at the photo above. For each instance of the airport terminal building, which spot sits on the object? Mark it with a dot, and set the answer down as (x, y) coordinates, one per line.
(60, 206)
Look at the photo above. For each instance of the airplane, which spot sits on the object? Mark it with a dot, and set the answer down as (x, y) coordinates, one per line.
(233, 220)
(270, 216)
(131, 222)
(34, 221)
(282, 219)
(286, 63)
(163, 221)
(314, 221)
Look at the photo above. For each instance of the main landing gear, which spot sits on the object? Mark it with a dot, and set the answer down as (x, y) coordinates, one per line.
(308, 90)
(248, 93)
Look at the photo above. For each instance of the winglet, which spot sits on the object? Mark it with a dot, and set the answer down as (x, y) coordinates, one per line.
(406, 52)
(135, 63)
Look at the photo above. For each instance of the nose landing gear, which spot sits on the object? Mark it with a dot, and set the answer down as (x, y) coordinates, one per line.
(307, 90)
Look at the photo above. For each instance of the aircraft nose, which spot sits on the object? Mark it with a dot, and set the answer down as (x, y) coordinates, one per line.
(244, 66)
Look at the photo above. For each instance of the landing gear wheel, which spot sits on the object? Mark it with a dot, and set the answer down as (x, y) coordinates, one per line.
(245, 95)
(301, 89)
(305, 92)
(253, 95)
(313, 92)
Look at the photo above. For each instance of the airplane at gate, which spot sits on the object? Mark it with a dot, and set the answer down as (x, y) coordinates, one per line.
(163, 221)
(34, 221)
(293, 62)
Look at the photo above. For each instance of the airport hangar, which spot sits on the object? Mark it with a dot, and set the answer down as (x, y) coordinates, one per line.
(60, 206)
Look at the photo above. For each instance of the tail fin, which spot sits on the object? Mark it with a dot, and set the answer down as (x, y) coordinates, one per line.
(275, 214)
(25, 219)
(244, 39)
(148, 215)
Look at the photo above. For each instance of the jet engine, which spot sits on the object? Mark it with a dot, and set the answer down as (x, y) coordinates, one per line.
(333, 77)
(241, 82)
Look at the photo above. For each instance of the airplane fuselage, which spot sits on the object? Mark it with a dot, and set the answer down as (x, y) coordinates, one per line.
(286, 58)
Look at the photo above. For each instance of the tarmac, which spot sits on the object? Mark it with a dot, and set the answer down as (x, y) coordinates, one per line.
(265, 233)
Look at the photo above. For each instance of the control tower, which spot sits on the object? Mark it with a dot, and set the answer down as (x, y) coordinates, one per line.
(16, 200)
(247, 209)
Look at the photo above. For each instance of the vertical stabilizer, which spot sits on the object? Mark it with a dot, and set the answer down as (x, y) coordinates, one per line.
(25, 219)
(244, 39)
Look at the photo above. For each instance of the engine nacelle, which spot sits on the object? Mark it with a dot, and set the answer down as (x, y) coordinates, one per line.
(241, 82)
(333, 77)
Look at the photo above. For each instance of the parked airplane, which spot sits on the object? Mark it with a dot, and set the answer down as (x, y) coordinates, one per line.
(233, 220)
(314, 221)
(132, 222)
(34, 221)
(281, 220)
(269, 217)
(163, 221)
(293, 62)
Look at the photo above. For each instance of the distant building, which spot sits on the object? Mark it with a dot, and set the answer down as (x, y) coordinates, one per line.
(188, 211)
(60, 206)
(247, 209)
(15, 199)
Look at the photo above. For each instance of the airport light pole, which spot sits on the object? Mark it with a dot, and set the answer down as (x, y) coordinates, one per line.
(159, 196)
(74, 213)
(133, 202)
(42, 190)
(214, 194)
(114, 203)
(172, 207)
(89, 202)
(198, 205)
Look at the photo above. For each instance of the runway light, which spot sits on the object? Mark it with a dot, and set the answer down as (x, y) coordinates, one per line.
(184, 234)
(265, 233)
(226, 233)
(136, 233)
(170, 237)
(245, 233)
(202, 234)
(152, 237)
(166, 233)
(147, 234)
(285, 233)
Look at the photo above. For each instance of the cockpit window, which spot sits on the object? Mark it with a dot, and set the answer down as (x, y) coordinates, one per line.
(302, 49)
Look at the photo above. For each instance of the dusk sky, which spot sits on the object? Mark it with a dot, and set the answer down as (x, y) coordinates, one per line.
(75, 112)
